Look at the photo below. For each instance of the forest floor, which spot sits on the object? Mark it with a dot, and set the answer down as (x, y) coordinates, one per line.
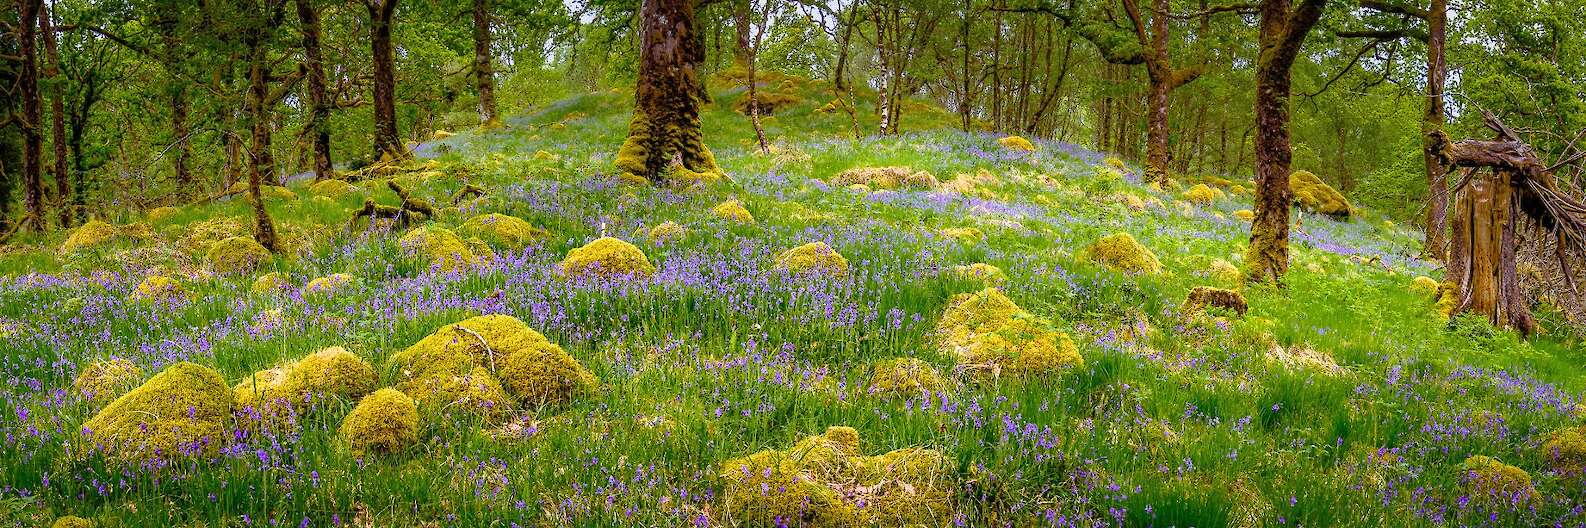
(727, 389)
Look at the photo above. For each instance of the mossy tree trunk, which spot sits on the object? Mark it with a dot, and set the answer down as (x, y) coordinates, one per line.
(387, 142)
(262, 163)
(665, 127)
(1436, 242)
(52, 72)
(318, 94)
(32, 113)
(1283, 31)
(1163, 79)
(484, 73)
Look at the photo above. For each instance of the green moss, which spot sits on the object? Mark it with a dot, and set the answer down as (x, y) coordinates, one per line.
(1565, 451)
(1494, 484)
(329, 373)
(1202, 297)
(439, 246)
(1425, 286)
(666, 232)
(157, 287)
(1316, 196)
(813, 258)
(159, 214)
(1120, 251)
(607, 257)
(328, 285)
(332, 188)
(1201, 194)
(179, 412)
(1447, 299)
(103, 381)
(72, 521)
(733, 211)
(1017, 143)
(266, 190)
(534, 371)
(992, 336)
(905, 377)
(885, 178)
(506, 231)
(271, 282)
(979, 271)
(237, 255)
(385, 422)
(92, 235)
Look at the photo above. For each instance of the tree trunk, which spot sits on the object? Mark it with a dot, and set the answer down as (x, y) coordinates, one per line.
(1282, 34)
(665, 126)
(965, 99)
(1436, 245)
(318, 95)
(387, 143)
(52, 72)
(263, 164)
(484, 73)
(1485, 233)
(749, 50)
(32, 114)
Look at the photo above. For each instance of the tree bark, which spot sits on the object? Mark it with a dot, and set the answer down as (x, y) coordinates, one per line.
(318, 94)
(387, 143)
(665, 126)
(1282, 34)
(32, 114)
(1436, 243)
(52, 71)
(258, 108)
(484, 73)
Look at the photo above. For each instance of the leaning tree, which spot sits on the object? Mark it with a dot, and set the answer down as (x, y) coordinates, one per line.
(665, 128)
(1505, 186)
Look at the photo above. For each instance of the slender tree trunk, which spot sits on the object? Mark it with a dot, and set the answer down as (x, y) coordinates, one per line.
(1436, 242)
(387, 142)
(263, 163)
(318, 94)
(32, 114)
(665, 126)
(484, 73)
(996, 70)
(1282, 34)
(52, 72)
(966, 100)
(883, 57)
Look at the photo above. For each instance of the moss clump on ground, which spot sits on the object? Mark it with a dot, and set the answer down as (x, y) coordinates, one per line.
(905, 377)
(1202, 297)
(607, 257)
(332, 188)
(237, 255)
(768, 102)
(179, 412)
(72, 521)
(439, 246)
(159, 214)
(270, 283)
(1447, 299)
(1494, 484)
(156, 288)
(329, 373)
(1565, 451)
(1201, 194)
(667, 231)
(813, 258)
(1120, 251)
(966, 235)
(1225, 272)
(825, 480)
(102, 381)
(1245, 214)
(1424, 286)
(506, 231)
(1316, 196)
(445, 367)
(885, 178)
(979, 271)
(328, 285)
(1017, 143)
(267, 191)
(386, 422)
(733, 211)
(97, 234)
(992, 336)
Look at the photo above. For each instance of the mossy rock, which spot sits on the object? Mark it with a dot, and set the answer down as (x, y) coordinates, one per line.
(72, 521)
(157, 288)
(814, 258)
(1565, 451)
(905, 377)
(1424, 286)
(438, 246)
(329, 373)
(92, 235)
(332, 188)
(1245, 214)
(733, 211)
(271, 282)
(1225, 273)
(103, 381)
(666, 232)
(506, 231)
(985, 273)
(384, 423)
(1312, 194)
(237, 255)
(179, 412)
(1494, 484)
(1202, 195)
(826, 480)
(1017, 144)
(885, 178)
(329, 284)
(607, 257)
(991, 336)
(1120, 251)
(965, 235)
(1202, 297)
(266, 190)
(445, 367)
(768, 102)
(159, 214)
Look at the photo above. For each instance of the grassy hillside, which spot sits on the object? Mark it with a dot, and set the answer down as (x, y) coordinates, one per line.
(1343, 399)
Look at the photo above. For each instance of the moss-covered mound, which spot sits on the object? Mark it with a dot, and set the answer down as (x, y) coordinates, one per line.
(506, 231)
(72, 521)
(329, 373)
(1120, 251)
(270, 283)
(992, 336)
(179, 412)
(1565, 451)
(159, 214)
(813, 258)
(237, 255)
(1017, 143)
(905, 377)
(886, 178)
(1202, 297)
(979, 271)
(825, 480)
(383, 423)
(1201, 194)
(1494, 484)
(1245, 214)
(768, 102)
(328, 285)
(966, 235)
(667, 231)
(103, 381)
(157, 287)
(1225, 273)
(469, 361)
(1312, 194)
(733, 211)
(438, 246)
(267, 191)
(607, 257)
(332, 188)
(97, 234)
(1424, 286)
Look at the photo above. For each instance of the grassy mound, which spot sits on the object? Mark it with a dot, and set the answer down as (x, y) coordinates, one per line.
(506, 231)
(438, 246)
(103, 381)
(237, 255)
(468, 361)
(329, 373)
(1312, 194)
(1120, 251)
(732, 211)
(991, 336)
